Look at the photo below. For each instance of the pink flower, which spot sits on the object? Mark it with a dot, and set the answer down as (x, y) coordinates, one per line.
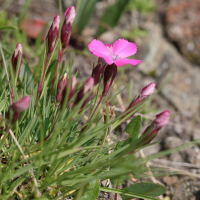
(116, 53)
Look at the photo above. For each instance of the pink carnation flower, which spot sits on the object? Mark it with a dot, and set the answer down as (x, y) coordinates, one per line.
(116, 53)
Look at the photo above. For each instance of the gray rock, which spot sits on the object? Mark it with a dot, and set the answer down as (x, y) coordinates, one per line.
(180, 79)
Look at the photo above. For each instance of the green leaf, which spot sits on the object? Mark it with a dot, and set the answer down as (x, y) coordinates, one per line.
(144, 6)
(92, 191)
(127, 193)
(133, 128)
(27, 77)
(8, 27)
(144, 188)
(112, 15)
(3, 103)
(84, 11)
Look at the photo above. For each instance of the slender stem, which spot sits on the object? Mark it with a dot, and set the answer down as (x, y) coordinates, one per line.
(4, 62)
(92, 115)
(42, 79)
(116, 189)
(22, 152)
(60, 54)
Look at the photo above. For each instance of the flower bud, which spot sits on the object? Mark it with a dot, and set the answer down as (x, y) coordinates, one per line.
(18, 107)
(146, 92)
(109, 76)
(67, 26)
(1, 117)
(99, 70)
(61, 86)
(150, 133)
(162, 119)
(87, 87)
(15, 57)
(71, 92)
(53, 34)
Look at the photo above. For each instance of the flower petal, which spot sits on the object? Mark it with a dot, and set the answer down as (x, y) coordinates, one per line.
(97, 48)
(122, 48)
(123, 61)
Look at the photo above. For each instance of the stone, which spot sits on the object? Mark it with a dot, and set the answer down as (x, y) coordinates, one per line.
(170, 180)
(169, 68)
(182, 19)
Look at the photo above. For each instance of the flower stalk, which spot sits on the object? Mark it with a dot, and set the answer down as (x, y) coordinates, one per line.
(51, 42)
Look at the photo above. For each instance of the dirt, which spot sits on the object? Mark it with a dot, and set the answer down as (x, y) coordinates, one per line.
(170, 54)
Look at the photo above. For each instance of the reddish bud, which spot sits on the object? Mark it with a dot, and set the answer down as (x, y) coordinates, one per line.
(71, 92)
(18, 107)
(109, 76)
(150, 133)
(147, 91)
(87, 87)
(99, 70)
(61, 86)
(67, 26)
(162, 119)
(72, 88)
(53, 34)
(15, 57)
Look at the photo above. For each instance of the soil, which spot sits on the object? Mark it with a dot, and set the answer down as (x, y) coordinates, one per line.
(170, 54)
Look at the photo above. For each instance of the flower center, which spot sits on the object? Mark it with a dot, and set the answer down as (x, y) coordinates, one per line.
(114, 57)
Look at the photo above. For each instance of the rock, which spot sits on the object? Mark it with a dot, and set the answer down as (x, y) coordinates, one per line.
(186, 188)
(150, 150)
(180, 78)
(172, 142)
(177, 157)
(182, 19)
(170, 180)
(196, 135)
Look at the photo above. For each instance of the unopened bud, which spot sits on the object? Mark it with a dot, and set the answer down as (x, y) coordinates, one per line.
(61, 86)
(67, 26)
(71, 92)
(109, 76)
(15, 57)
(150, 133)
(98, 71)
(87, 87)
(146, 92)
(53, 34)
(18, 107)
(162, 119)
